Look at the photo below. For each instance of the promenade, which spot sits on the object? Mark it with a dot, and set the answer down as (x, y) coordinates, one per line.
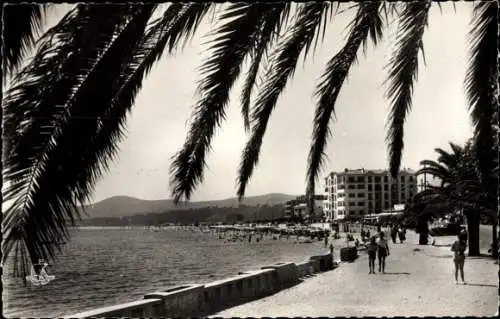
(416, 283)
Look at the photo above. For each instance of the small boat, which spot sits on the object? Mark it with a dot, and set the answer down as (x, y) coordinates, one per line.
(42, 278)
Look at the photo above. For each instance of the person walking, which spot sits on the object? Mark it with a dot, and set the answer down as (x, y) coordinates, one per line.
(394, 233)
(383, 252)
(402, 234)
(371, 248)
(458, 248)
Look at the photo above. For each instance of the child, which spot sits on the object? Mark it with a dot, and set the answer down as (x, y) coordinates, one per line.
(371, 247)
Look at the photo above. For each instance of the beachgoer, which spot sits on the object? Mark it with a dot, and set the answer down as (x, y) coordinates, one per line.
(331, 249)
(459, 248)
(326, 240)
(371, 248)
(383, 252)
(394, 233)
(463, 234)
(401, 234)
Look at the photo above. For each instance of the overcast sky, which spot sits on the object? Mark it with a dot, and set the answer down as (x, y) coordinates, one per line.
(157, 125)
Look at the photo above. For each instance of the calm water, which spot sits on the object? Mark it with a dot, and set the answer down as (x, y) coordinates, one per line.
(102, 267)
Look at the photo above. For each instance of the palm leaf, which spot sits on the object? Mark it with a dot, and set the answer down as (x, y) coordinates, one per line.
(367, 23)
(233, 41)
(47, 185)
(21, 25)
(481, 83)
(402, 75)
(270, 29)
(280, 71)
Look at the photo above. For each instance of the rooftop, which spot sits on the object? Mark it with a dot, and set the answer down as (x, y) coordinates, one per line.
(362, 171)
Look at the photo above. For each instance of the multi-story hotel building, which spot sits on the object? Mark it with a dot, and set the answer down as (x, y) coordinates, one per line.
(360, 192)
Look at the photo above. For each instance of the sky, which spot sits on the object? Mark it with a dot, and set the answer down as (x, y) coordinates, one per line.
(158, 124)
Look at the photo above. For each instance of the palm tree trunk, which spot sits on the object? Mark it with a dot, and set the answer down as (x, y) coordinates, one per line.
(423, 231)
(494, 245)
(473, 230)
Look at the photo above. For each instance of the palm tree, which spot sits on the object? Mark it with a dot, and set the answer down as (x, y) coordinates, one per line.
(459, 188)
(65, 110)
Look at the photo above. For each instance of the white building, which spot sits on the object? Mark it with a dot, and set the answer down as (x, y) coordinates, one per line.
(298, 207)
(361, 192)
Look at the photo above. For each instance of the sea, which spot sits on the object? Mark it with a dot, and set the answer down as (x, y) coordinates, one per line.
(106, 266)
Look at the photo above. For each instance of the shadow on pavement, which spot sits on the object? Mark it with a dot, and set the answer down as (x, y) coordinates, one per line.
(482, 285)
(481, 256)
(396, 273)
(441, 256)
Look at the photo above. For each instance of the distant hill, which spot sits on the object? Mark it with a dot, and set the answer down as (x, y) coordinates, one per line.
(121, 206)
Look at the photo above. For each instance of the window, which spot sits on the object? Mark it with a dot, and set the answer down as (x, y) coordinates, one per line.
(377, 179)
(370, 205)
(361, 179)
(402, 195)
(361, 203)
(370, 196)
(350, 179)
(410, 178)
(369, 187)
(361, 194)
(411, 194)
(340, 204)
(386, 179)
(350, 186)
(402, 179)
(341, 186)
(369, 179)
(351, 195)
(386, 205)
(377, 187)
(386, 187)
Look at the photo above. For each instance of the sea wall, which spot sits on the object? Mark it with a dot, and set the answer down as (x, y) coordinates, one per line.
(201, 300)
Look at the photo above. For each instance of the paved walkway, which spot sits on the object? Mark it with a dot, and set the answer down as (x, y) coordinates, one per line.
(416, 283)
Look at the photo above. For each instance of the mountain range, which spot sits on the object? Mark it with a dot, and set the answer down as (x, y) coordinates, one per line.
(122, 206)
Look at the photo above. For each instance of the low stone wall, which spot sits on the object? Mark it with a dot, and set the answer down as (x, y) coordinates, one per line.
(199, 300)
(134, 309)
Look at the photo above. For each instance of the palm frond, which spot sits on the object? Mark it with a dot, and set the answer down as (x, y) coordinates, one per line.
(402, 75)
(48, 168)
(233, 41)
(179, 21)
(367, 23)
(271, 25)
(481, 82)
(280, 71)
(434, 169)
(21, 26)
